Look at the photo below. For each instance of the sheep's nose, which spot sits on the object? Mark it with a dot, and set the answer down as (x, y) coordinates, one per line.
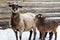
(14, 10)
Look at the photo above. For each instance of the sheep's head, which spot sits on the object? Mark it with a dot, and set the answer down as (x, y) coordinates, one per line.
(39, 17)
(15, 7)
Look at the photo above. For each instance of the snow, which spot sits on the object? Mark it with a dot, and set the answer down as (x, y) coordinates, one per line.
(8, 34)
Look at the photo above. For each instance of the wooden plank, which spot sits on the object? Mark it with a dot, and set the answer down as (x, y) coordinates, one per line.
(4, 4)
(44, 14)
(39, 3)
(48, 15)
(33, 10)
(41, 10)
(5, 16)
(4, 24)
(57, 19)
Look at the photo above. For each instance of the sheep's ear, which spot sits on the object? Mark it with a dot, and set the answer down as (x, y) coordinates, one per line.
(9, 4)
(20, 6)
(36, 16)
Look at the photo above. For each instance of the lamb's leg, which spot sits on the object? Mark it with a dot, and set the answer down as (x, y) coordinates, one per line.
(50, 35)
(55, 35)
(41, 35)
(45, 34)
(30, 34)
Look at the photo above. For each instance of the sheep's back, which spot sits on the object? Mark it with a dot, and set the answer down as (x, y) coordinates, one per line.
(28, 19)
(48, 25)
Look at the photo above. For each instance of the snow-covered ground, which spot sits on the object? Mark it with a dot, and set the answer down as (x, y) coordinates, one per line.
(8, 34)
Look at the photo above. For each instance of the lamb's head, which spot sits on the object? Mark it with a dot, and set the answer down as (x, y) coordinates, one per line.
(15, 7)
(40, 17)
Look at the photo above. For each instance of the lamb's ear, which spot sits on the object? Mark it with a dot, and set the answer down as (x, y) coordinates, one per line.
(36, 16)
(20, 6)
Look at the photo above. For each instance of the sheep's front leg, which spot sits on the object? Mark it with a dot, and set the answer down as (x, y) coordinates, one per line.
(40, 35)
(15, 31)
(43, 36)
(20, 34)
(30, 34)
(21, 31)
(16, 35)
(50, 35)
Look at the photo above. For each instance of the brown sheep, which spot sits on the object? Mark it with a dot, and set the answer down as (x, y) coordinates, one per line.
(22, 22)
(45, 25)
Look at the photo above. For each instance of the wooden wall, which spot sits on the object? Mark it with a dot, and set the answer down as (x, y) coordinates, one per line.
(33, 0)
(41, 0)
(1, 0)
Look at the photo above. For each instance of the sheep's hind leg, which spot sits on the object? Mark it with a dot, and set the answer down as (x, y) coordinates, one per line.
(55, 35)
(30, 34)
(34, 35)
(40, 35)
(34, 29)
(50, 35)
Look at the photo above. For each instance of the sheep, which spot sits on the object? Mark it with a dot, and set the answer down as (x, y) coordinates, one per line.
(22, 22)
(45, 25)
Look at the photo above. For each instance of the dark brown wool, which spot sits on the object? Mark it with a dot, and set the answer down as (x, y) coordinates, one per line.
(15, 19)
(46, 26)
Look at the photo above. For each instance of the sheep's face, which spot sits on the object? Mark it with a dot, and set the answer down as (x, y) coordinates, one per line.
(39, 17)
(15, 7)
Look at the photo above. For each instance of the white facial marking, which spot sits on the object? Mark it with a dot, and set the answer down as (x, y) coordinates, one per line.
(38, 15)
(16, 11)
(41, 16)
